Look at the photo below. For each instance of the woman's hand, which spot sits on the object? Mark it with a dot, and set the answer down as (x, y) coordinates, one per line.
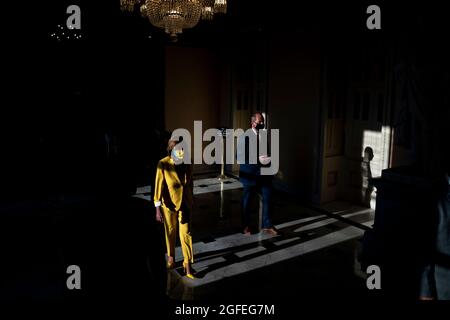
(159, 216)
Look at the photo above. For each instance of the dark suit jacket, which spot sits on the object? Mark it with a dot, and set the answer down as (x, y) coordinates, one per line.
(249, 173)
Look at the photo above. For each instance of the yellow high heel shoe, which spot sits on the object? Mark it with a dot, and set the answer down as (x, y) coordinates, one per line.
(189, 275)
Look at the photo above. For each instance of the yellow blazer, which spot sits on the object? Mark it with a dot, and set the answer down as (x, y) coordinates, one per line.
(170, 189)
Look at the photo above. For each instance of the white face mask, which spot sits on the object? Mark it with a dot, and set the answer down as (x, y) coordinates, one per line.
(177, 155)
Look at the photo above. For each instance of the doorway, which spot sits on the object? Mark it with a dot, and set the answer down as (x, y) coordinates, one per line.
(357, 134)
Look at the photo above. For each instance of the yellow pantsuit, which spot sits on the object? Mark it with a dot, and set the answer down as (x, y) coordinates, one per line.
(170, 227)
(175, 196)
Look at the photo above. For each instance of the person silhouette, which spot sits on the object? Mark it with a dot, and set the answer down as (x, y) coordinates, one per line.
(367, 188)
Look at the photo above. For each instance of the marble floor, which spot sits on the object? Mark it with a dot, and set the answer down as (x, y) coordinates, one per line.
(119, 247)
(316, 251)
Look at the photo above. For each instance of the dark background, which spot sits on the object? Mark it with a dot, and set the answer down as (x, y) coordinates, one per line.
(67, 104)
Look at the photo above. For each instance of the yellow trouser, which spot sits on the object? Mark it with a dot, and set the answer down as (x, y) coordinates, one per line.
(170, 226)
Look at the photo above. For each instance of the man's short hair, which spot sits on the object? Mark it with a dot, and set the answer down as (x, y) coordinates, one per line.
(253, 117)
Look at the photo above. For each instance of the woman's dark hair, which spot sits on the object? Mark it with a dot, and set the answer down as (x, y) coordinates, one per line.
(170, 145)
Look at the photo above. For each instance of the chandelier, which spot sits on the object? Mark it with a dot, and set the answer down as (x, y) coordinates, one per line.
(175, 15)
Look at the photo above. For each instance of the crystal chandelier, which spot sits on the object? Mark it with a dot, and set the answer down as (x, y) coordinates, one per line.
(175, 15)
(208, 10)
(127, 5)
(220, 6)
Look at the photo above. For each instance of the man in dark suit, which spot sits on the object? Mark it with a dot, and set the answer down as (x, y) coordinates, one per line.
(251, 158)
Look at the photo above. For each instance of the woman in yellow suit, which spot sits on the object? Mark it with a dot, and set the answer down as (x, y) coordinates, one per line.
(173, 199)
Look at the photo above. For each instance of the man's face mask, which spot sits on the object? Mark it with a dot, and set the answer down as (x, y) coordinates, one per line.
(259, 126)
